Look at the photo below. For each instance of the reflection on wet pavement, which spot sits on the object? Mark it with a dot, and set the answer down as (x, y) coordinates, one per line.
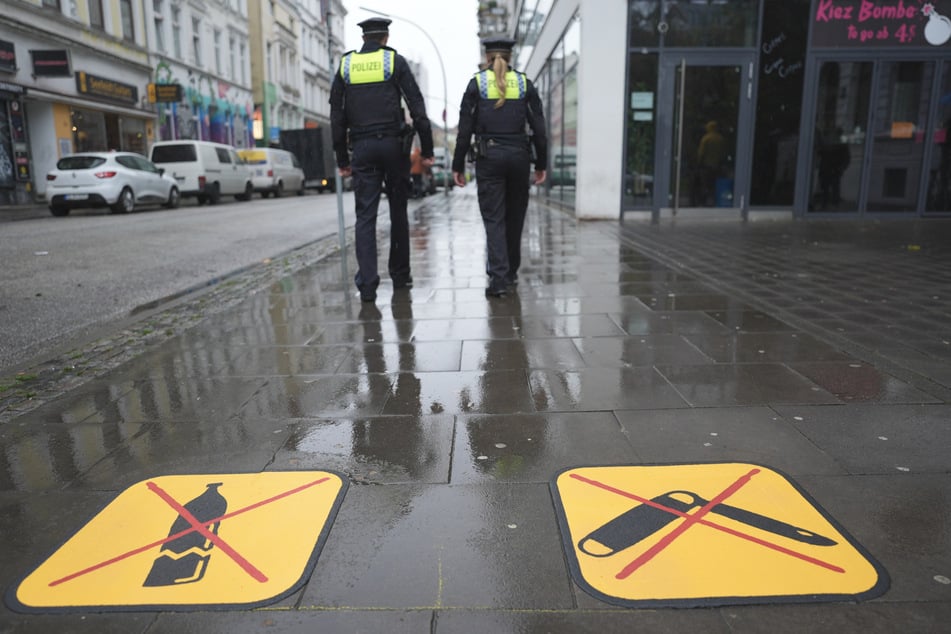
(459, 410)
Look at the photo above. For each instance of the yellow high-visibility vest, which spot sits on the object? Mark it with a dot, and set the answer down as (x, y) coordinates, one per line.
(367, 68)
(514, 85)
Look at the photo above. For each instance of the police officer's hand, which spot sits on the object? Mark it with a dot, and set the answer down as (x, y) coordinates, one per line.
(539, 177)
(459, 179)
(429, 161)
(345, 171)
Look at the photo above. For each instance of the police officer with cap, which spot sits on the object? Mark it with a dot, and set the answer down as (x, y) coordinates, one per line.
(500, 106)
(365, 100)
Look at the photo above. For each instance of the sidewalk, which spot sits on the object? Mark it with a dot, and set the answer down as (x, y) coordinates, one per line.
(816, 350)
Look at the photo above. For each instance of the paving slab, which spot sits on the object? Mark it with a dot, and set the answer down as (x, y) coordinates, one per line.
(816, 349)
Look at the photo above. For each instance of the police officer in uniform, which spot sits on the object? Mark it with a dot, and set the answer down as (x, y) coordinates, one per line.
(500, 106)
(365, 100)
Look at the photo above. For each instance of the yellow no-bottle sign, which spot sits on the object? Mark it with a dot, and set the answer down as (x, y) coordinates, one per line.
(705, 534)
(191, 542)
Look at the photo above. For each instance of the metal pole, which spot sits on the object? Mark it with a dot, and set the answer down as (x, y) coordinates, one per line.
(445, 93)
(338, 181)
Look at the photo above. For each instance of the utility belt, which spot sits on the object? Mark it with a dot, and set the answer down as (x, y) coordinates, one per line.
(400, 130)
(480, 149)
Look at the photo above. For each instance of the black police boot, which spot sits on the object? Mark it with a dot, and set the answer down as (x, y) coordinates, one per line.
(406, 282)
(496, 289)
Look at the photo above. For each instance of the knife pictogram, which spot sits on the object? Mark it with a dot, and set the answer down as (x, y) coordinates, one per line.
(644, 520)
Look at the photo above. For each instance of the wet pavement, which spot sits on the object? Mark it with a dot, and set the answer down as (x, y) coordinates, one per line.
(817, 349)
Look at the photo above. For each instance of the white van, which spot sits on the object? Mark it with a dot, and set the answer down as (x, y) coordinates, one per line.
(273, 171)
(204, 169)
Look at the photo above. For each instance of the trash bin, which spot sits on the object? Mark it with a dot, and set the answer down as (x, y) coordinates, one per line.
(724, 192)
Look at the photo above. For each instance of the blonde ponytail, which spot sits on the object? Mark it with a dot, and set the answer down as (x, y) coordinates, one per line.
(500, 67)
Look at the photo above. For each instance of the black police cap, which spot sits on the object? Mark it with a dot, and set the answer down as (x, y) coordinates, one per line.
(375, 25)
(498, 44)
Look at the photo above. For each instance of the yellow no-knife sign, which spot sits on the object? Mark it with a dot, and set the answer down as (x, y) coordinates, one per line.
(191, 542)
(705, 534)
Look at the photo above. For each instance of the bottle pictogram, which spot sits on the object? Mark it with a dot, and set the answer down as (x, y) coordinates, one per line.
(185, 559)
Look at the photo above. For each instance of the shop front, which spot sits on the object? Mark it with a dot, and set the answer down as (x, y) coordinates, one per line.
(15, 185)
(824, 107)
(880, 97)
(696, 135)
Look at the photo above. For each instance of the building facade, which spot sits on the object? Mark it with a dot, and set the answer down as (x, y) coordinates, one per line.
(201, 70)
(79, 75)
(321, 44)
(293, 43)
(72, 77)
(816, 108)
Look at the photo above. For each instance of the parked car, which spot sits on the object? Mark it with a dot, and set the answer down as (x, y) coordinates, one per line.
(119, 180)
(273, 171)
(441, 172)
(204, 169)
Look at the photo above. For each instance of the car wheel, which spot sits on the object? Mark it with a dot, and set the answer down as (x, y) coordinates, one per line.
(214, 194)
(279, 190)
(174, 198)
(59, 210)
(126, 202)
(248, 190)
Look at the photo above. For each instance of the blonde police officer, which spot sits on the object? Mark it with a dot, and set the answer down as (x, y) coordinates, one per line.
(500, 107)
(365, 102)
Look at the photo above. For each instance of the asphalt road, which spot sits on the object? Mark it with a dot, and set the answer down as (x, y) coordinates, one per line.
(63, 280)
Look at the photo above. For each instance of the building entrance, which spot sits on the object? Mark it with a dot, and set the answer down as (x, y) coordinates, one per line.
(873, 134)
(706, 117)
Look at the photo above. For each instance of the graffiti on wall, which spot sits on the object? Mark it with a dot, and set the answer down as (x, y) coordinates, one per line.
(210, 110)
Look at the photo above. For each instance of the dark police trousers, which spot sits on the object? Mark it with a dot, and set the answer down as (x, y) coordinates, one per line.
(379, 162)
(502, 183)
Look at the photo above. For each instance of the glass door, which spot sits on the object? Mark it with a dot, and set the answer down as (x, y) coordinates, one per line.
(869, 140)
(939, 169)
(709, 98)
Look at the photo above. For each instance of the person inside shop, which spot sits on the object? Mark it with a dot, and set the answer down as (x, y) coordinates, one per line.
(500, 106)
(365, 110)
(834, 159)
(711, 154)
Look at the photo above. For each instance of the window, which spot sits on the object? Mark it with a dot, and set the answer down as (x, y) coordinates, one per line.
(781, 72)
(710, 24)
(95, 14)
(128, 24)
(176, 153)
(223, 155)
(232, 59)
(196, 40)
(79, 162)
(217, 40)
(128, 161)
(243, 59)
(158, 14)
(939, 179)
(176, 32)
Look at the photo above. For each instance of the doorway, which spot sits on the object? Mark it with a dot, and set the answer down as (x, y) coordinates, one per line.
(869, 143)
(705, 101)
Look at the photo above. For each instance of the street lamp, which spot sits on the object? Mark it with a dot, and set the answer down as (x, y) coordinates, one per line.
(445, 89)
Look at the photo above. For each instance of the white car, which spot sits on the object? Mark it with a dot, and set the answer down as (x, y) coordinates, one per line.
(204, 169)
(273, 171)
(119, 180)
